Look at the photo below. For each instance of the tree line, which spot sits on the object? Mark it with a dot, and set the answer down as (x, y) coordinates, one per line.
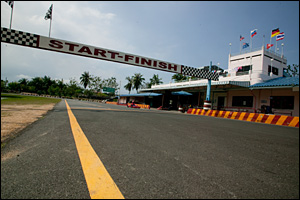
(90, 86)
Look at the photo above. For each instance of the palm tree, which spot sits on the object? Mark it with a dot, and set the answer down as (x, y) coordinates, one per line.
(85, 79)
(155, 80)
(129, 85)
(23, 84)
(137, 81)
(179, 77)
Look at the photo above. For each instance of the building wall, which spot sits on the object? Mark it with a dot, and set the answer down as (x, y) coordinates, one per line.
(260, 60)
(263, 97)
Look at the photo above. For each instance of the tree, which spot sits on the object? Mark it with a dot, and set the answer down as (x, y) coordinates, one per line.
(36, 85)
(73, 89)
(96, 83)
(23, 84)
(14, 86)
(3, 85)
(293, 71)
(155, 80)
(129, 85)
(85, 79)
(179, 77)
(46, 84)
(137, 81)
(111, 83)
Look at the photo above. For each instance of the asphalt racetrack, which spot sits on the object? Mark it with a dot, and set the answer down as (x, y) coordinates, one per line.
(95, 149)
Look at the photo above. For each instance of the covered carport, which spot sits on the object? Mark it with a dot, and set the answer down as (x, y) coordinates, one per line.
(219, 92)
(148, 98)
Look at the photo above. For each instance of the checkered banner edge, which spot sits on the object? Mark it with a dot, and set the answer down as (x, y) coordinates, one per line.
(199, 73)
(19, 37)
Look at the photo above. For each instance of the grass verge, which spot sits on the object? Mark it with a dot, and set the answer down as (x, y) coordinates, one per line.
(13, 99)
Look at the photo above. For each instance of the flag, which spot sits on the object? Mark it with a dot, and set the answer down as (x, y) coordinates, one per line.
(280, 36)
(245, 45)
(241, 38)
(10, 3)
(269, 45)
(275, 32)
(49, 13)
(253, 32)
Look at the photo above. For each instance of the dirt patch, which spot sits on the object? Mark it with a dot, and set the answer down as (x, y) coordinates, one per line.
(14, 118)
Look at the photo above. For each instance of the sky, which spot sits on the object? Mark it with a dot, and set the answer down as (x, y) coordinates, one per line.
(191, 33)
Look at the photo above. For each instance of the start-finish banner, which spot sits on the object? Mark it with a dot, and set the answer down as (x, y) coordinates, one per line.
(63, 46)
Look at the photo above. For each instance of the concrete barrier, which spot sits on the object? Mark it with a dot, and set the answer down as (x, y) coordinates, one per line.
(251, 117)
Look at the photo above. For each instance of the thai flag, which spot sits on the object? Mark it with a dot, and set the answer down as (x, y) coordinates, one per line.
(241, 38)
(280, 36)
(253, 32)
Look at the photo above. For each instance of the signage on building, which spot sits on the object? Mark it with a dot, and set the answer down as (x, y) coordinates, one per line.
(63, 46)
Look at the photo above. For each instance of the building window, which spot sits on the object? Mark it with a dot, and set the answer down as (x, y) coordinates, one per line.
(243, 70)
(282, 102)
(242, 101)
(274, 70)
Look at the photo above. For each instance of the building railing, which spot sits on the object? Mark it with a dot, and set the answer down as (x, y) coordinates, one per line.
(245, 51)
(280, 55)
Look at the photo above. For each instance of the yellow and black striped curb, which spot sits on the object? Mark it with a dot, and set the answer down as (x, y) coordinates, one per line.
(251, 117)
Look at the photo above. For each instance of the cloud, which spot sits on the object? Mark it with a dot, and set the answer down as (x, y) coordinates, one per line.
(20, 76)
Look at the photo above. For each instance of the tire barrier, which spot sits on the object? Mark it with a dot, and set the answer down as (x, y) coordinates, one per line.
(251, 117)
(207, 105)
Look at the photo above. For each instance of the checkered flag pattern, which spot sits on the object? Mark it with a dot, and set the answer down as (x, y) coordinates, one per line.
(200, 73)
(19, 37)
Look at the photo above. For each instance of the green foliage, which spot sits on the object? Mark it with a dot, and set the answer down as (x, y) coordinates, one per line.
(293, 70)
(129, 84)
(155, 80)
(85, 79)
(179, 77)
(111, 83)
(137, 81)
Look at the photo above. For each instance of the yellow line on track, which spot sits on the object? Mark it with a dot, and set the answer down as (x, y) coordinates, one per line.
(99, 182)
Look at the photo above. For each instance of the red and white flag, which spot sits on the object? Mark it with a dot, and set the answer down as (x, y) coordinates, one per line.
(269, 45)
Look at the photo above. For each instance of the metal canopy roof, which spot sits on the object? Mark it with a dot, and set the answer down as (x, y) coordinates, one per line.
(193, 85)
(181, 93)
(277, 83)
(148, 94)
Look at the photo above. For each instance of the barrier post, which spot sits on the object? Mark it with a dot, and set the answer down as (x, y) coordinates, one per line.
(207, 102)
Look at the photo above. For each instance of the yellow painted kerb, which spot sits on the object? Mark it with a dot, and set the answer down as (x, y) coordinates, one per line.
(99, 182)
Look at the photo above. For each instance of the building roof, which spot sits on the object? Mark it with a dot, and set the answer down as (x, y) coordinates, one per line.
(278, 82)
(147, 94)
(186, 85)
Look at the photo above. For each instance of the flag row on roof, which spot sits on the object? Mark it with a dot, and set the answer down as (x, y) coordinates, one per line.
(275, 32)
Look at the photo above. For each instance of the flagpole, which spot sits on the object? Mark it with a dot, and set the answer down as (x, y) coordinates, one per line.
(12, 9)
(282, 50)
(240, 46)
(250, 42)
(50, 26)
(270, 39)
(264, 41)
